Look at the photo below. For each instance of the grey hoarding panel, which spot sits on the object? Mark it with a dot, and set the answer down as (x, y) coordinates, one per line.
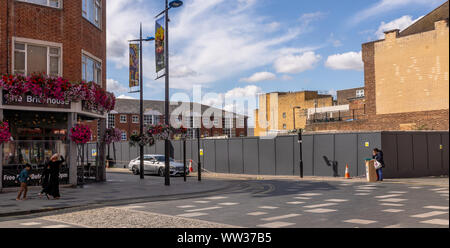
(445, 153)
(222, 156)
(374, 140)
(435, 158)
(134, 152)
(308, 155)
(346, 152)
(405, 155)
(160, 149)
(235, 156)
(389, 148)
(194, 151)
(177, 147)
(188, 150)
(251, 156)
(420, 154)
(209, 157)
(284, 156)
(267, 157)
(323, 146)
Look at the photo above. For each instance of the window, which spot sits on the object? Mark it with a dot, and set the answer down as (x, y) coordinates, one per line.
(135, 119)
(91, 70)
(124, 135)
(216, 122)
(360, 93)
(111, 121)
(148, 119)
(92, 11)
(135, 132)
(241, 123)
(49, 3)
(284, 115)
(284, 126)
(206, 121)
(32, 58)
(123, 119)
(227, 132)
(228, 123)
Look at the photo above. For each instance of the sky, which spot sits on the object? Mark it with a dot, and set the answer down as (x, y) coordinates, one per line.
(229, 50)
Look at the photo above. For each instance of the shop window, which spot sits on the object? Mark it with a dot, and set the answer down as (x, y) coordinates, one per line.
(92, 11)
(32, 58)
(123, 119)
(49, 3)
(111, 121)
(135, 119)
(91, 69)
(124, 136)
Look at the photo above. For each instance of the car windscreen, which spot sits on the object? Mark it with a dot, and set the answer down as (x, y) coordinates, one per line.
(162, 159)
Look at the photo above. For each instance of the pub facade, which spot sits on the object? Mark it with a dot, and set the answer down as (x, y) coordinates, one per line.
(58, 39)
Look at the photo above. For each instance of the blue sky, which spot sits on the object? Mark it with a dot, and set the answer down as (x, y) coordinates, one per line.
(239, 48)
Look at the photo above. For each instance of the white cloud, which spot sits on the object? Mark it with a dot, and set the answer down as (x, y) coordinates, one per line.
(384, 6)
(125, 97)
(259, 76)
(296, 63)
(114, 86)
(399, 23)
(345, 61)
(286, 77)
(248, 91)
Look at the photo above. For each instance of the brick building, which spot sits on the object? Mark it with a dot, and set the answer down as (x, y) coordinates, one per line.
(64, 38)
(406, 78)
(277, 110)
(214, 122)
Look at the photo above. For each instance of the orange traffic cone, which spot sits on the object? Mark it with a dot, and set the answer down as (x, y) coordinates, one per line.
(190, 166)
(347, 174)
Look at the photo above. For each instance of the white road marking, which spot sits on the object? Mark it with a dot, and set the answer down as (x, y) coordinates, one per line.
(397, 192)
(56, 226)
(436, 222)
(216, 198)
(416, 187)
(392, 204)
(320, 210)
(364, 190)
(438, 189)
(321, 205)
(195, 214)
(302, 198)
(202, 209)
(295, 202)
(391, 210)
(281, 217)
(429, 214)
(310, 194)
(267, 207)
(360, 221)
(337, 200)
(186, 206)
(202, 201)
(228, 203)
(256, 213)
(386, 196)
(442, 192)
(362, 194)
(393, 200)
(277, 224)
(437, 207)
(30, 223)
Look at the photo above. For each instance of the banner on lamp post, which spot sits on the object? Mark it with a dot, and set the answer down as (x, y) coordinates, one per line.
(159, 44)
(134, 65)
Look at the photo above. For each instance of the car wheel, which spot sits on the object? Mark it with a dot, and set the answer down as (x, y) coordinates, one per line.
(161, 172)
(135, 170)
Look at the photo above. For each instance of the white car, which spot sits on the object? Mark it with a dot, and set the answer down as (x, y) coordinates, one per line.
(155, 163)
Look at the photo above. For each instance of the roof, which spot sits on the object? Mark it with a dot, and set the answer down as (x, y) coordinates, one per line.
(154, 107)
(426, 23)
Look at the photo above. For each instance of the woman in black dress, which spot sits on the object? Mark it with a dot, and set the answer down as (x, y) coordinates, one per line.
(53, 183)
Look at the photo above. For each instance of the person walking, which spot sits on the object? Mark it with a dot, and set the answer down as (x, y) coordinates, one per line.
(53, 183)
(45, 177)
(23, 180)
(378, 156)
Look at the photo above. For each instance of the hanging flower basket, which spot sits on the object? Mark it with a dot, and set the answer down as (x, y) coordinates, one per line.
(5, 135)
(155, 132)
(80, 134)
(43, 87)
(112, 135)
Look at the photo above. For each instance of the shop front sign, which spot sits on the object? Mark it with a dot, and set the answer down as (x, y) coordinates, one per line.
(29, 100)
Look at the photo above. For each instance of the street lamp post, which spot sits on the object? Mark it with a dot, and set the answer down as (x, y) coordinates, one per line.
(141, 100)
(172, 4)
(300, 142)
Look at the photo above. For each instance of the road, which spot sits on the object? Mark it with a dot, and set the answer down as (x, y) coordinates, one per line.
(270, 204)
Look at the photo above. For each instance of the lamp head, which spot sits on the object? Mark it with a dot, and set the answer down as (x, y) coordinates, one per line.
(175, 3)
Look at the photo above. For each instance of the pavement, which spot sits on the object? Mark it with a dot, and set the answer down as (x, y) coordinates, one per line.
(118, 187)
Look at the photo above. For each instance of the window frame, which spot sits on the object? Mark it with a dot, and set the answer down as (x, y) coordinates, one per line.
(360, 93)
(41, 43)
(120, 119)
(98, 12)
(113, 125)
(60, 3)
(122, 135)
(133, 119)
(95, 59)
